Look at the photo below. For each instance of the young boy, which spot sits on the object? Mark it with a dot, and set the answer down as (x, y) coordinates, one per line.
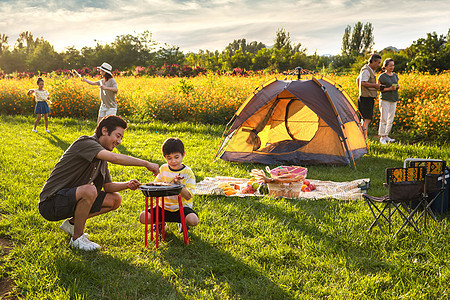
(175, 172)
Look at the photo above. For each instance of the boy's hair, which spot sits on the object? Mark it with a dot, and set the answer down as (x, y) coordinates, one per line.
(39, 80)
(111, 123)
(172, 145)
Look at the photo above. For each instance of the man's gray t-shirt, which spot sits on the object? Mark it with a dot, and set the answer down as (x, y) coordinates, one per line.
(78, 166)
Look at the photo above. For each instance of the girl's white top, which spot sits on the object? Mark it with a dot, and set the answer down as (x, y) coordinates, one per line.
(40, 95)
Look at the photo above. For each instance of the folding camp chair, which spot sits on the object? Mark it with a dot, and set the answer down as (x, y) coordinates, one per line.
(434, 185)
(404, 185)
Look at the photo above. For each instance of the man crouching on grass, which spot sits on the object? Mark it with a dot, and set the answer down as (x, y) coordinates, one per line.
(74, 189)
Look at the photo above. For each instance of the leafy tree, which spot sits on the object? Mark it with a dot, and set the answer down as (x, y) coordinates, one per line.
(343, 63)
(170, 55)
(239, 60)
(252, 47)
(400, 59)
(231, 48)
(359, 41)
(284, 55)
(97, 55)
(317, 62)
(261, 60)
(282, 40)
(13, 61)
(72, 58)
(213, 61)
(3, 43)
(132, 50)
(430, 54)
(44, 58)
(26, 42)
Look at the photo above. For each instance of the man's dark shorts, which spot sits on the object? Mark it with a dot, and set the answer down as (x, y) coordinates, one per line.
(171, 216)
(62, 205)
(365, 107)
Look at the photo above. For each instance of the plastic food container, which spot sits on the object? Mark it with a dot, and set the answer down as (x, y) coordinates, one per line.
(294, 170)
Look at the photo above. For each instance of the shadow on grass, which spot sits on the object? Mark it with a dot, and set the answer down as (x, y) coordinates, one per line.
(55, 141)
(219, 272)
(119, 278)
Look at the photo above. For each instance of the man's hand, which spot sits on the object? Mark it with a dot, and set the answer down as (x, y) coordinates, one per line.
(133, 184)
(154, 168)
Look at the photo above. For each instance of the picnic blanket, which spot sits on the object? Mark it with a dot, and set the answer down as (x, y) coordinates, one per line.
(350, 190)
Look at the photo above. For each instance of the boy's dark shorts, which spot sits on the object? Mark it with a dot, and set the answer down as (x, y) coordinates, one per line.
(62, 204)
(365, 107)
(171, 216)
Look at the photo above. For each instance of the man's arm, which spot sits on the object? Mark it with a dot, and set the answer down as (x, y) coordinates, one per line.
(368, 84)
(125, 160)
(112, 187)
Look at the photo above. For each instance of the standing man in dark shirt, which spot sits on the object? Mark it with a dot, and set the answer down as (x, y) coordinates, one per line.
(80, 186)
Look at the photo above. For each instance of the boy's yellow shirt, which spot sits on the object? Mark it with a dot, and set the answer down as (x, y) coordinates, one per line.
(166, 174)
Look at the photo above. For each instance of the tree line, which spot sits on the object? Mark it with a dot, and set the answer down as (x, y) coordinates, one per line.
(29, 54)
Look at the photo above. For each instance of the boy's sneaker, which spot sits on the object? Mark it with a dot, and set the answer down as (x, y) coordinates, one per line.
(160, 227)
(83, 243)
(34, 130)
(180, 228)
(389, 140)
(67, 227)
(46, 130)
(383, 140)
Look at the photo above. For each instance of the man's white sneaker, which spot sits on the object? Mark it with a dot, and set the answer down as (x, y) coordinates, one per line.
(67, 227)
(383, 140)
(83, 243)
(390, 140)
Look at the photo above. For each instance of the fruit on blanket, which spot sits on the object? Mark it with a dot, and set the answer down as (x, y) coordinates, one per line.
(307, 186)
(255, 185)
(264, 189)
(230, 192)
(227, 188)
(248, 190)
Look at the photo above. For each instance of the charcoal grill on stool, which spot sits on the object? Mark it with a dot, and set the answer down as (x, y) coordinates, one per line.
(160, 190)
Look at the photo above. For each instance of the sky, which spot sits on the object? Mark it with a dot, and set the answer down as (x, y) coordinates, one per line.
(211, 25)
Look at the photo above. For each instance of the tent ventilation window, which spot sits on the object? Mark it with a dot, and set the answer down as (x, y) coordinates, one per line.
(300, 121)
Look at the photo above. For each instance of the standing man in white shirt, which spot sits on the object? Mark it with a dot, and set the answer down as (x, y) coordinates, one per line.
(368, 87)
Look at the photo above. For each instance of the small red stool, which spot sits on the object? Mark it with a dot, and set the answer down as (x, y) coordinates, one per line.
(157, 190)
(183, 221)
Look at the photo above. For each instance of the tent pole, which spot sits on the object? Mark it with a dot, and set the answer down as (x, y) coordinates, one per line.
(342, 139)
(222, 139)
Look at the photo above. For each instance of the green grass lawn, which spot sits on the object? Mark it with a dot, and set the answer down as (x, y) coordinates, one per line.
(243, 248)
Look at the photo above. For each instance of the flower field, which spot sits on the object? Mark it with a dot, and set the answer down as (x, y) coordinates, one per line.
(422, 111)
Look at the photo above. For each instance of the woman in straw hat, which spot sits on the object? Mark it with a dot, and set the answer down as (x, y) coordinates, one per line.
(108, 91)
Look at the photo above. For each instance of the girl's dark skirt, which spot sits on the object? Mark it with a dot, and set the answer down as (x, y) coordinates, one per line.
(42, 108)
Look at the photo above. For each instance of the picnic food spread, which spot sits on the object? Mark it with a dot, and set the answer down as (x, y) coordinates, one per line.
(281, 181)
